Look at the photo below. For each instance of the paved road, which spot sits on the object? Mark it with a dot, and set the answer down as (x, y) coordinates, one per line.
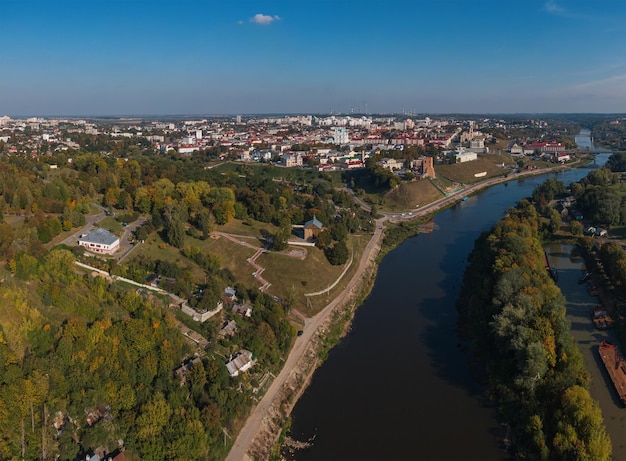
(126, 247)
(90, 221)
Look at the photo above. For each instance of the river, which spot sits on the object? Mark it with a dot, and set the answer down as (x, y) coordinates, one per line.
(398, 386)
(583, 139)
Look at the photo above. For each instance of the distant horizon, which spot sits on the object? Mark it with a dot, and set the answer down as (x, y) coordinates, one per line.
(315, 114)
(285, 57)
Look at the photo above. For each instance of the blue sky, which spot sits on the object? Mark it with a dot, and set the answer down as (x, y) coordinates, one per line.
(140, 57)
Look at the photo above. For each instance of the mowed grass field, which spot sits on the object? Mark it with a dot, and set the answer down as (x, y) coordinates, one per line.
(318, 275)
(232, 256)
(464, 173)
(249, 228)
(288, 275)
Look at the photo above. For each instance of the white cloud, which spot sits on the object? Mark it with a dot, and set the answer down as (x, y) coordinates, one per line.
(264, 19)
(552, 7)
(603, 85)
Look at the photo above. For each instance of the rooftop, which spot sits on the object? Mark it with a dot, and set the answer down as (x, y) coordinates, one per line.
(99, 235)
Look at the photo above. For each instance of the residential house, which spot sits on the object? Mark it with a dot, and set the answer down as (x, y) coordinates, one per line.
(230, 295)
(228, 329)
(245, 309)
(562, 157)
(352, 164)
(516, 149)
(182, 371)
(240, 363)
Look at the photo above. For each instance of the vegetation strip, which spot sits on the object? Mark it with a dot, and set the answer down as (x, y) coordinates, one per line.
(515, 316)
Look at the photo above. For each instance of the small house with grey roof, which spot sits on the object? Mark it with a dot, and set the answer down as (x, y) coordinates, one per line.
(100, 241)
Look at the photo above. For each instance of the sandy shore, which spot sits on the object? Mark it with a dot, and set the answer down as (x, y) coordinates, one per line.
(262, 428)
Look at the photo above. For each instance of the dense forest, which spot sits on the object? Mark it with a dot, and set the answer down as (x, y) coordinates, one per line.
(515, 316)
(177, 193)
(86, 363)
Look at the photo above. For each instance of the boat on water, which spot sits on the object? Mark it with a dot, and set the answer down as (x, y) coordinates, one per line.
(601, 318)
(551, 270)
(615, 367)
(464, 198)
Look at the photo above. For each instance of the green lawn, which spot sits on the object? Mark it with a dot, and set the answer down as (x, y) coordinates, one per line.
(155, 248)
(287, 274)
(109, 223)
(464, 173)
(323, 275)
(250, 228)
(410, 195)
(233, 257)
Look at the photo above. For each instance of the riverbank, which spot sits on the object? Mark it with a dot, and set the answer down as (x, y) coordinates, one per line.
(264, 424)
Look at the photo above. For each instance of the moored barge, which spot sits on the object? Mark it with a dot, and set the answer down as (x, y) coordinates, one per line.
(615, 367)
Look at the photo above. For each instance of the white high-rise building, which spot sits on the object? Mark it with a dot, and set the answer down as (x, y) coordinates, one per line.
(238, 118)
(340, 135)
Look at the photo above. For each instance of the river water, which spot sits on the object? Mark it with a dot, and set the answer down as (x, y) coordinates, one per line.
(398, 386)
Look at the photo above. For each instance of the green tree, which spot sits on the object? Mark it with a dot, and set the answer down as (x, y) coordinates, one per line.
(338, 254)
(205, 222)
(281, 237)
(176, 232)
(581, 434)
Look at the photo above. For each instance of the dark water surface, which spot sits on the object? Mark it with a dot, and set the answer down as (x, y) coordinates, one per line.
(398, 386)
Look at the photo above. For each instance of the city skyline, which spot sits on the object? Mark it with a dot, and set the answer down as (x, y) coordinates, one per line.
(141, 58)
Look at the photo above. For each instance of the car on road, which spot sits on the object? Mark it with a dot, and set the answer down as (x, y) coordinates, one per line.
(300, 332)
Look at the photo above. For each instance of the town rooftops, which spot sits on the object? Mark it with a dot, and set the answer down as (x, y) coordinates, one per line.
(241, 362)
(99, 235)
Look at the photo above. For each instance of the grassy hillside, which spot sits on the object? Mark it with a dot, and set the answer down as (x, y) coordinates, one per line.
(465, 172)
(410, 195)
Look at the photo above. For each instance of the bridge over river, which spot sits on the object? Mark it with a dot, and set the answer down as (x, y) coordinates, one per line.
(594, 151)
